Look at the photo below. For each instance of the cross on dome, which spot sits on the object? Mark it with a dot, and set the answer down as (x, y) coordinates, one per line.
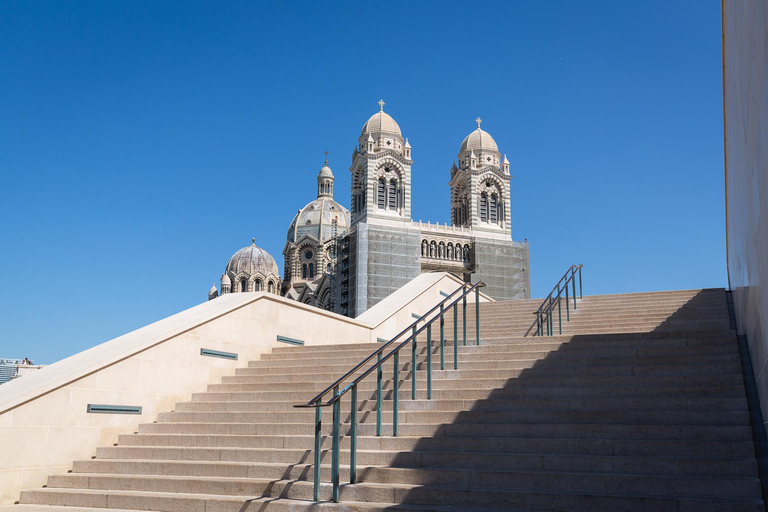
(381, 105)
(478, 121)
(326, 153)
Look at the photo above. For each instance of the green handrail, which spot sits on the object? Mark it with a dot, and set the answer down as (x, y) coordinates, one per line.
(317, 402)
(545, 315)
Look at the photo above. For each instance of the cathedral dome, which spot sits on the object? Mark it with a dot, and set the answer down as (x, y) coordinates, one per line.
(252, 259)
(326, 172)
(479, 140)
(380, 122)
(316, 220)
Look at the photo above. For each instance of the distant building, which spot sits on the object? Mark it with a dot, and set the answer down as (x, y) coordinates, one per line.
(13, 368)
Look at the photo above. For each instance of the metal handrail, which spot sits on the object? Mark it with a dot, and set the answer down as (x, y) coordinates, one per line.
(316, 399)
(544, 314)
(335, 401)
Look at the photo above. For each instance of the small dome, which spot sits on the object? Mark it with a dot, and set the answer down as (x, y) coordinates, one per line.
(213, 290)
(316, 220)
(325, 171)
(225, 281)
(480, 140)
(251, 260)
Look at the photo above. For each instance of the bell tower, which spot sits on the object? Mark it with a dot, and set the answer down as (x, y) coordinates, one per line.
(480, 186)
(381, 172)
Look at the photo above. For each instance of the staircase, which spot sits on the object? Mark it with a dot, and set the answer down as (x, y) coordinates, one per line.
(639, 406)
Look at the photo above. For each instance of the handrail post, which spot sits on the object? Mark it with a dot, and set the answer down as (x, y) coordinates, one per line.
(574, 293)
(378, 396)
(353, 436)
(560, 314)
(455, 338)
(464, 319)
(538, 323)
(318, 439)
(429, 361)
(442, 337)
(395, 393)
(581, 292)
(567, 306)
(413, 365)
(477, 315)
(335, 446)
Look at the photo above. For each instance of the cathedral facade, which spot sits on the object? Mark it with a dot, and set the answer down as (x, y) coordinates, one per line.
(348, 260)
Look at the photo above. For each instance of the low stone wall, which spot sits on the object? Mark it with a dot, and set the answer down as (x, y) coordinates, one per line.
(44, 423)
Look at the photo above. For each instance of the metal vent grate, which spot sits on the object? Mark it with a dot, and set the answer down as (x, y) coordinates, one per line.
(292, 341)
(381, 340)
(414, 315)
(444, 294)
(114, 409)
(217, 353)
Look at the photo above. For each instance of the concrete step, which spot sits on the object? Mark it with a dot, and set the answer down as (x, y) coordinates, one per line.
(575, 430)
(462, 459)
(520, 391)
(575, 481)
(494, 404)
(306, 416)
(521, 379)
(635, 447)
(379, 494)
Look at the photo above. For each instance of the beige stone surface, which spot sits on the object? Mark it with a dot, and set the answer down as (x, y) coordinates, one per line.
(48, 409)
(23, 444)
(10, 486)
(64, 444)
(44, 425)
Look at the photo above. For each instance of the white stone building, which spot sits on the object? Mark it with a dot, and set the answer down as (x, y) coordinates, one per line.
(347, 261)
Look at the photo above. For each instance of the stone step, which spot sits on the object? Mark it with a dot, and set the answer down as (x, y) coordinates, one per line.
(510, 370)
(456, 478)
(496, 360)
(634, 447)
(495, 404)
(572, 430)
(368, 392)
(306, 416)
(536, 349)
(463, 459)
(383, 494)
(519, 379)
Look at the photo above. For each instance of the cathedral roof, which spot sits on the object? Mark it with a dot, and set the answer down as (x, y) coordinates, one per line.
(252, 259)
(316, 220)
(479, 139)
(380, 122)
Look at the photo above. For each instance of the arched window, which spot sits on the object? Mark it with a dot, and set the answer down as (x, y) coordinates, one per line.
(243, 285)
(304, 271)
(257, 285)
(392, 195)
(483, 207)
(311, 270)
(381, 194)
(271, 287)
(493, 209)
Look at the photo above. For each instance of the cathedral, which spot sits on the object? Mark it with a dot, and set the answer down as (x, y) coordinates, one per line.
(348, 260)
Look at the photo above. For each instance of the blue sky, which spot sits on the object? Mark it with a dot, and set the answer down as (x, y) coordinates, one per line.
(142, 144)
